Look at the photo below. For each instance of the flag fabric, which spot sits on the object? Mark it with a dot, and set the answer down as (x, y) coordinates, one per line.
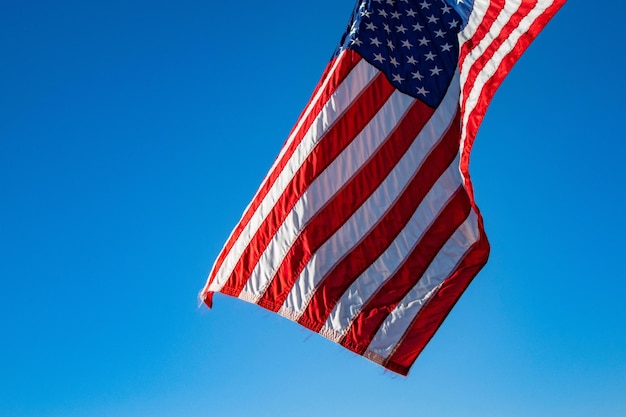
(365, 229)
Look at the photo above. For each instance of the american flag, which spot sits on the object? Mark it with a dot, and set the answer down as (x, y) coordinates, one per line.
(365, 230)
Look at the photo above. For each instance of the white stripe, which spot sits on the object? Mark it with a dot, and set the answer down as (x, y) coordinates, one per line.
(479, 10)
(348, 163)
(307, 111)
(494, 63)
(445, 263)
(313, 102)
(353, 85)
(364, 287)
(355, 228)
(477, 51)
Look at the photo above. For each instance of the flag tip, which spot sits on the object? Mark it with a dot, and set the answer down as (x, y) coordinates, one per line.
(207, 298)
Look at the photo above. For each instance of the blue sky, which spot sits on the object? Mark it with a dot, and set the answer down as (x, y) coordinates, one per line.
(133, 135)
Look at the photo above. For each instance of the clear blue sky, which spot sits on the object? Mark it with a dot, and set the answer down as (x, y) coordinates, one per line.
(133, 135)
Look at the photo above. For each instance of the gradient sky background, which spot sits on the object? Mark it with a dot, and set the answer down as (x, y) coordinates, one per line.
(133, 135)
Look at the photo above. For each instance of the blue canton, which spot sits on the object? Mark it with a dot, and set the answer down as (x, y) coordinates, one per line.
(413, 43)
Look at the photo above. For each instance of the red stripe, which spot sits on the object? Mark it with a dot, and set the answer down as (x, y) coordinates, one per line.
(490, 87)
(380, 237)
(343, 205)
(494, 9)
(511, 25)
(375, 311)
(333, 142)
(473, 123)
(434, 313)
(349, 61)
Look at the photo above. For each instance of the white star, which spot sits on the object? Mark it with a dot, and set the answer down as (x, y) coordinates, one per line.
(386, 27)
(432, 19)
(439, 33)
(393, 61)
(446, 48)
(370, 26)
(401, 28)
(383, 13)
(422, 91)
(407, 44)
(375, 41)
(430, 56)
(411, 13)
(390, 45)
(397, 78)
(454, 23)
(435, 71)
(390, 2)
(446, 9)
(411, 60)
(424, 5)
(379, 58)
(424, 41)
(356, 41)
(366, 13)
(417, 26)
(395, 15)
(417, 75)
